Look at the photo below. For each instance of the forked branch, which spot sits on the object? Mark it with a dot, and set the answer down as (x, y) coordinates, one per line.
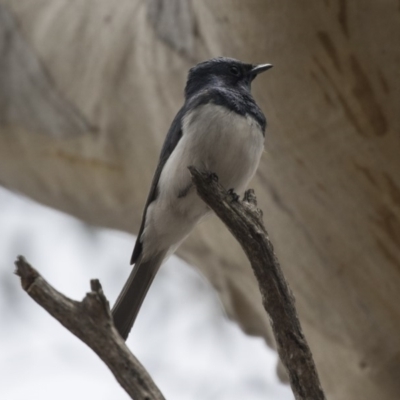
(90, 320)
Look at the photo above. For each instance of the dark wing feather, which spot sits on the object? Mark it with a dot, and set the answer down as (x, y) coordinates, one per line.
(173, 136)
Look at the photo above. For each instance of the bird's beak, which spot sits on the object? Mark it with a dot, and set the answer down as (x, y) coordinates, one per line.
(258, 69)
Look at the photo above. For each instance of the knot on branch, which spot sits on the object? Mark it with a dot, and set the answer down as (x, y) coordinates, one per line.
(96, 305)
(96, 299)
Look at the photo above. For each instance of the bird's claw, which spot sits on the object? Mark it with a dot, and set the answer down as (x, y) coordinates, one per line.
(214, 176)
(234, 196)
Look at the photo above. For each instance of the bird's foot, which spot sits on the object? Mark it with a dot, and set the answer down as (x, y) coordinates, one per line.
(214, 176)
(233, 196)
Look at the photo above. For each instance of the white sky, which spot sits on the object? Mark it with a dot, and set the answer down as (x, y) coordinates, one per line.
(182, 336)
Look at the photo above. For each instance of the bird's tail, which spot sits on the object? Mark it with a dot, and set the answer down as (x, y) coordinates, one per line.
(130, 300)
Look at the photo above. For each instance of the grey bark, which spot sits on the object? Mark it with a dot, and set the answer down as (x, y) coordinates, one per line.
(244, 221)
(91, 321)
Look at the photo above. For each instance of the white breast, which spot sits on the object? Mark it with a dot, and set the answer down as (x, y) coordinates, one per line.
(215, 139)
(224, 142)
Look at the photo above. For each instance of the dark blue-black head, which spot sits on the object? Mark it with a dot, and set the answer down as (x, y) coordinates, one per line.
(222, 71)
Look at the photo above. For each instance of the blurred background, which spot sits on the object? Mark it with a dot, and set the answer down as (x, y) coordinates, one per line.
(182, 336)
(88, 90)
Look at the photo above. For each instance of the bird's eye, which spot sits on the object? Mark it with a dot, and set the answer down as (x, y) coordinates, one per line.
(235, 70)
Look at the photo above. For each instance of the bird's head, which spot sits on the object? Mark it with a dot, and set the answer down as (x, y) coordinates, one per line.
(222, 71)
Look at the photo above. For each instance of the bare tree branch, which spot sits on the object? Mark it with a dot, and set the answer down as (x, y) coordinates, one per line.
(244, 220)
(90, 320)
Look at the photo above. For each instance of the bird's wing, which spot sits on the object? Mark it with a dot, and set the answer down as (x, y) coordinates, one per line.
(173, 136)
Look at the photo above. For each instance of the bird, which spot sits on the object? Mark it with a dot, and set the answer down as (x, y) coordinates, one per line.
(220, 128)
